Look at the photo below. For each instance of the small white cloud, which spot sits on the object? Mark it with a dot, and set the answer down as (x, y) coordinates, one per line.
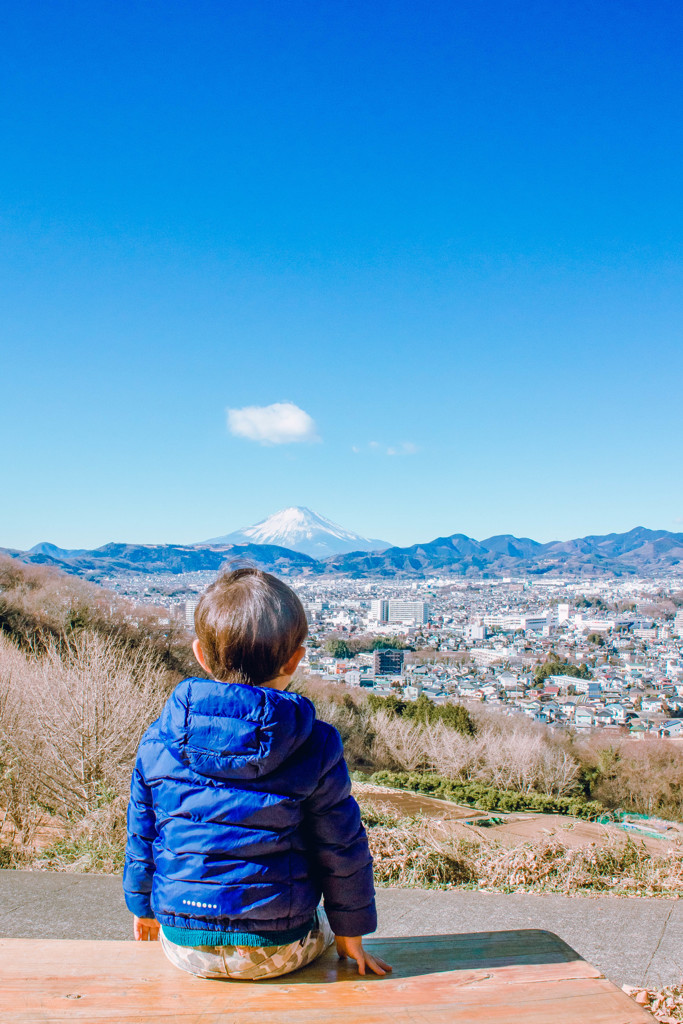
(405, 448)
(280, 423)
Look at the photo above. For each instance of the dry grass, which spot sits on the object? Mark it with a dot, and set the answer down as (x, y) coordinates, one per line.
(424, 853)
(96, 845)
(416, 852)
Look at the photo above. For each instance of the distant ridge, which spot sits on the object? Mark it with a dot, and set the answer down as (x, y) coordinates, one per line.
(639, 552)
(167, 558)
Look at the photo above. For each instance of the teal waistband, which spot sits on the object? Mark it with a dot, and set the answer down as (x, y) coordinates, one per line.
(201, 937)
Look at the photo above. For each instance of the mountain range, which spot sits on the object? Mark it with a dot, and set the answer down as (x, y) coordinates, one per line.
(170, 558)
(637, 552)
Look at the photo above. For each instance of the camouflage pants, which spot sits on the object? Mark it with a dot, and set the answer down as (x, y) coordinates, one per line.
(251, 963)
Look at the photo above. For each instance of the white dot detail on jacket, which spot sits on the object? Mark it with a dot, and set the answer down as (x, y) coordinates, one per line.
(196, 903)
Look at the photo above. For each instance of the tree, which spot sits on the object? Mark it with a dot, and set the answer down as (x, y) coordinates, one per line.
(391, 704)
(383, 643)
(556, 666)
(457, 717)
(422, 710)
(590, 602)
(338, 648)
(425, 712)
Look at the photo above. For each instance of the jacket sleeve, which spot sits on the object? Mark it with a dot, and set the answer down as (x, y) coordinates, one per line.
(138, 869)
(339, 846)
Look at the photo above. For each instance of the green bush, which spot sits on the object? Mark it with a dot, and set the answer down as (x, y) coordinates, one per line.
(556, 666)
(487, 798)
(423, 710)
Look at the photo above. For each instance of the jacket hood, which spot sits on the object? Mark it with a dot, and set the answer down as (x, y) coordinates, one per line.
(229, 730)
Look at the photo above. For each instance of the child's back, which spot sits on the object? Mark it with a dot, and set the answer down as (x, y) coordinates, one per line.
(241, 814)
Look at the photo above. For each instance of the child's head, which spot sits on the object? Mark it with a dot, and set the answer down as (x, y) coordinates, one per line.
(249, 625)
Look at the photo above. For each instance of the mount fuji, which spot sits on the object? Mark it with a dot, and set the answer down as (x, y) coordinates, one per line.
(300, 529)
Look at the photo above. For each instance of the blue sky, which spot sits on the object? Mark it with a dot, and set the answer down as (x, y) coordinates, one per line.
(448, 233)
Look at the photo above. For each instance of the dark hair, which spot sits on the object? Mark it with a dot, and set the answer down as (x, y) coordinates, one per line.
(249, 624)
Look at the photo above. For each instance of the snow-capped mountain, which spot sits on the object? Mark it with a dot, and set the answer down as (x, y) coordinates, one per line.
(300, 529)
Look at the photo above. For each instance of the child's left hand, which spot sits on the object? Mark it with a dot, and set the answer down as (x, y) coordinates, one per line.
(145, 929)
(352, 946)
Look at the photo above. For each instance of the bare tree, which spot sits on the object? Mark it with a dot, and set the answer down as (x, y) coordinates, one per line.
(399, 740)
(72, 718)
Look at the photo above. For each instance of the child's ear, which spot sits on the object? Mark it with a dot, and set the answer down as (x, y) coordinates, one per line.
(291, 666)
(199, 655)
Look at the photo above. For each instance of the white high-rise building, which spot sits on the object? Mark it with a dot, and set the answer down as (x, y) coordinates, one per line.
(379, 610)
(408, 612)
(535, 621)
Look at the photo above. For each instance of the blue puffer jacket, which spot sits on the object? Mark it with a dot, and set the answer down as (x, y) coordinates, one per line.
(241, 817)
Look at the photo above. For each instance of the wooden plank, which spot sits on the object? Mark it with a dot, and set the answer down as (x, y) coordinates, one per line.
(529, 976)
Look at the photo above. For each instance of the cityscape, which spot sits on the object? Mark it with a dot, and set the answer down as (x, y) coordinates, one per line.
(582, 654)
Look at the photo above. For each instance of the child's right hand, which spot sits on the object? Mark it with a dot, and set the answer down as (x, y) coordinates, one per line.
(145, 929)
(352, 946)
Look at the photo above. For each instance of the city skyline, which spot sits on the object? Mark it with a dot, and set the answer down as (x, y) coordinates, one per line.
(418, 269)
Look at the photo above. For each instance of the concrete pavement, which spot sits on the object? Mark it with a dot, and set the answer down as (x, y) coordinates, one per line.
(632, 941)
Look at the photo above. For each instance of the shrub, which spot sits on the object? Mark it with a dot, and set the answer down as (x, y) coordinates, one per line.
(641, 776)
(387, 733)
(487, 798)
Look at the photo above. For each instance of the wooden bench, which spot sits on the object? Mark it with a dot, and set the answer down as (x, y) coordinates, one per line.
(515, 976)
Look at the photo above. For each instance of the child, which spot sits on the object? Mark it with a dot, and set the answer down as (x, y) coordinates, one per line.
(241, 814)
